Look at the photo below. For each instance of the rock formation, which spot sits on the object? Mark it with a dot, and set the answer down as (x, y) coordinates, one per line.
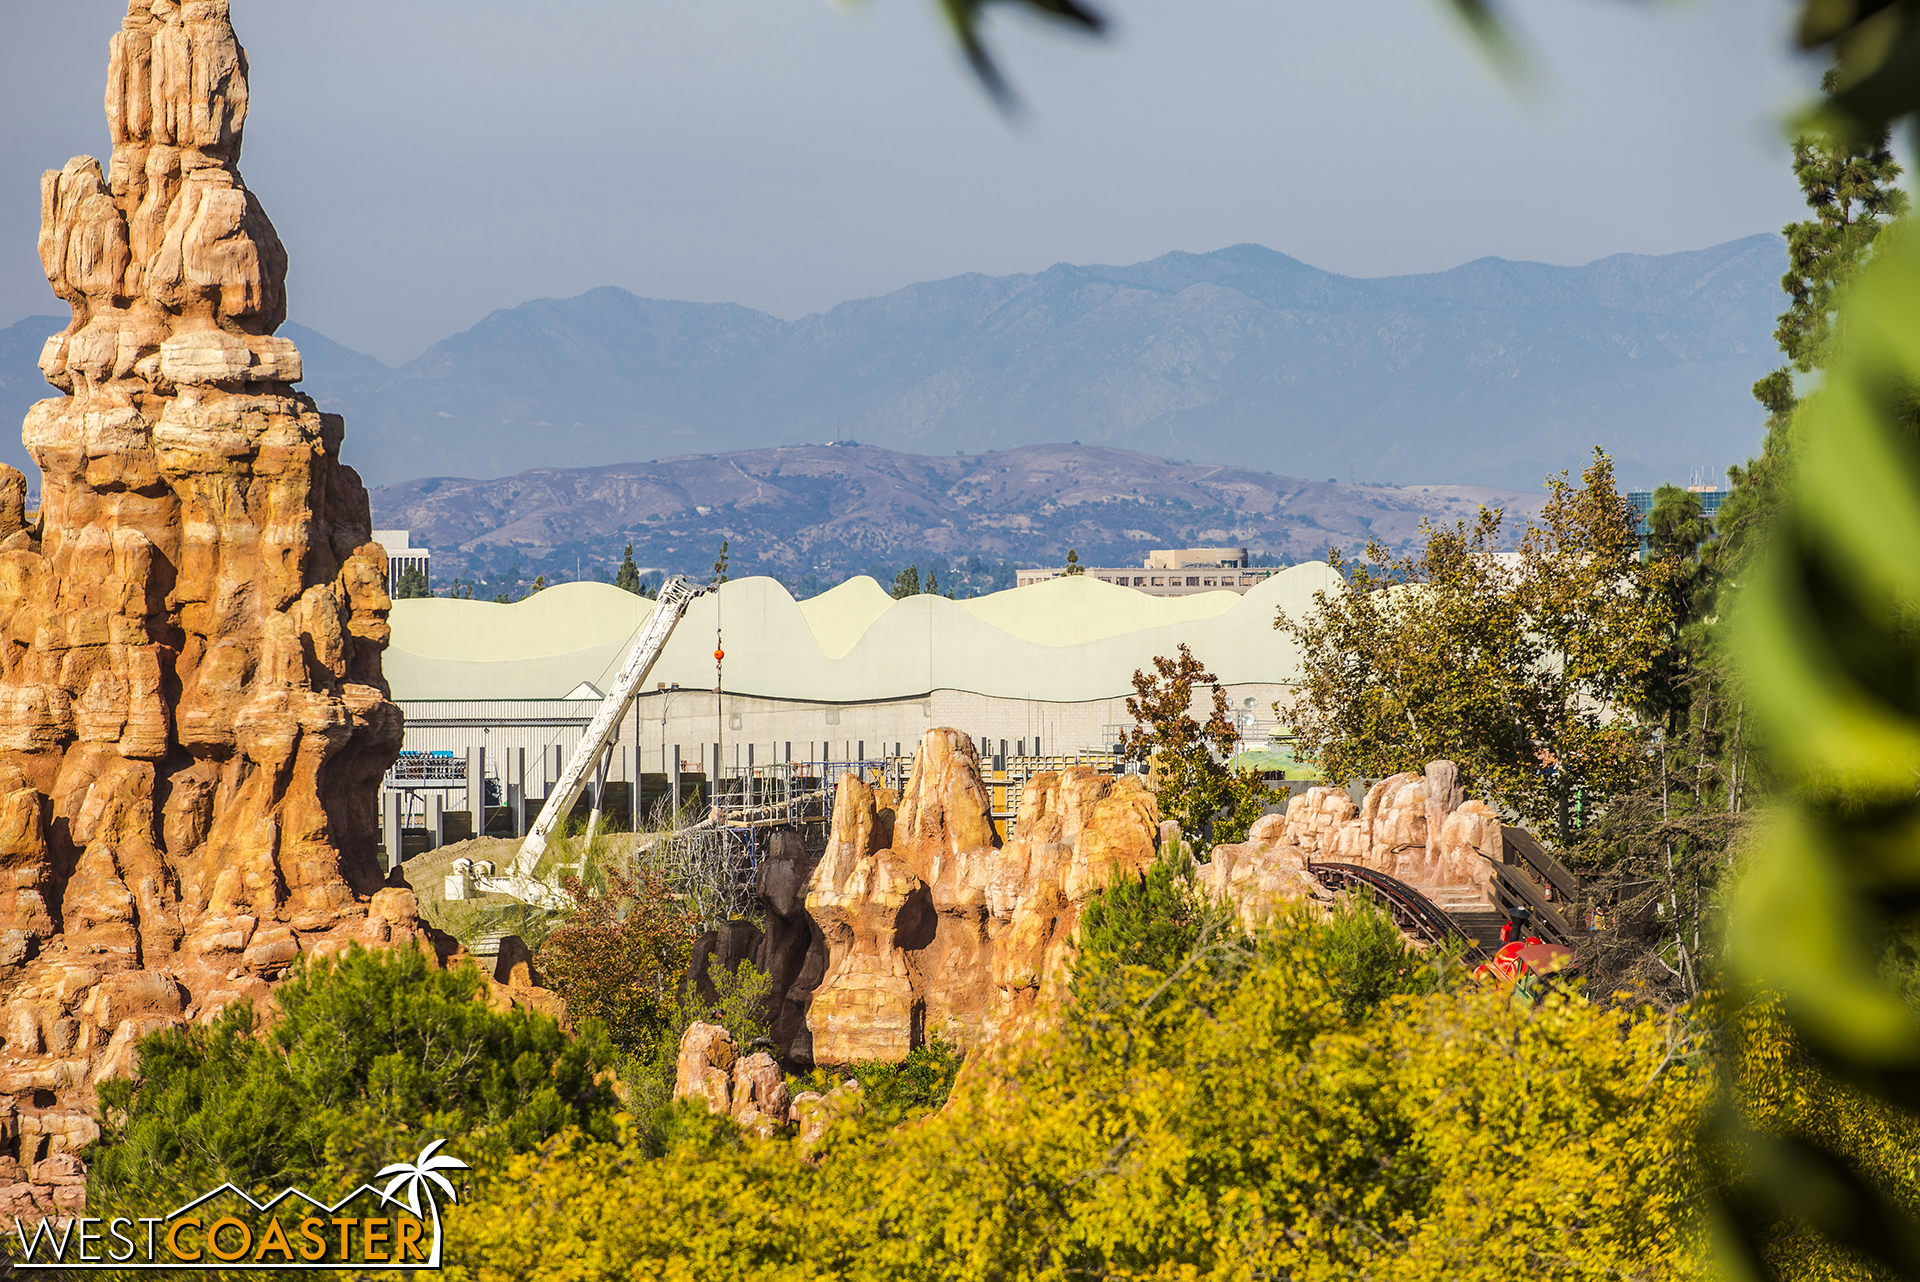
(916, 921)
(193, 720)
(923, 924)
(750, 1089)
(1413, 827)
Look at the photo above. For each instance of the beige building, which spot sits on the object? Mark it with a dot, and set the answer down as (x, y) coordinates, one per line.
(504, 692)
(1171, 572)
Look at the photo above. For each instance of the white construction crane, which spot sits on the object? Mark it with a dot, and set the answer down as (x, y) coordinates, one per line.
(519, 881)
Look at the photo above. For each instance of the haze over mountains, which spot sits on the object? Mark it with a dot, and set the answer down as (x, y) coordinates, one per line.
(1493, 373)
(813, 515)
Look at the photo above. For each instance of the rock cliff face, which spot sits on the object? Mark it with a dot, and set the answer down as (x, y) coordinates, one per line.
(1413, 827)
(917, 922)
(193, 719)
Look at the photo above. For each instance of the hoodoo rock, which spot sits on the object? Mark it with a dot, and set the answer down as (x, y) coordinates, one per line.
(932, 927)
(917, 921)
(1416, 828)
(193, 721)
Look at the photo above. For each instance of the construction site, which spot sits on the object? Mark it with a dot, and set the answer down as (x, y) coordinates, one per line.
(706, 791)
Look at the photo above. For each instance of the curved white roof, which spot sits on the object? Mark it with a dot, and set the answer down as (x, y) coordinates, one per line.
(1065, 640)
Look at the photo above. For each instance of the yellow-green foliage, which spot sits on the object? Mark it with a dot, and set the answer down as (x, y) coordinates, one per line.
(1784, 1091)
(1240, 1123)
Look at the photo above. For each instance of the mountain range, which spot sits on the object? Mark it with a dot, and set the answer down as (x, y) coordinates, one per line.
(1493, 373)
(813, 515)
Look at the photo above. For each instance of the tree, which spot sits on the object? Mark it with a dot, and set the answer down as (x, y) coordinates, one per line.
(1309, 1107)
(1849, 183)
(1073, 564)
(906, 583)
(933, 584)
(539, 585)
(412, 584)
(620, 955)
(1188, 759)
(720, 565)
(1848, 180)
(369, 1050)
(627, 577)
(1527, 674)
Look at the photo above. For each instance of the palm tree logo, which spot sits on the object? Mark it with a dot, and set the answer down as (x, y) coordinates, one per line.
(422, 1176)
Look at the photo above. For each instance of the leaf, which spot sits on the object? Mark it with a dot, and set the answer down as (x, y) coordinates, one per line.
(964, 19)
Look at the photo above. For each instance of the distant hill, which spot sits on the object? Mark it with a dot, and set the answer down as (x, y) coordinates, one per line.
(813, 515)
(1494, 373)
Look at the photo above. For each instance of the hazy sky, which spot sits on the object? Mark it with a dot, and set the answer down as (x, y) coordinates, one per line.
(428, 161)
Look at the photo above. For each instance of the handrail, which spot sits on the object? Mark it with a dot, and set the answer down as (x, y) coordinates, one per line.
(1524, 846)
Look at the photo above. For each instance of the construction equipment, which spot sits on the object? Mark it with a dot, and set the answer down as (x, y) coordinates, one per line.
(675, 595)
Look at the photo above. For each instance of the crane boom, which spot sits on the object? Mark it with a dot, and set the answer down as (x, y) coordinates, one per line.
(675, 595)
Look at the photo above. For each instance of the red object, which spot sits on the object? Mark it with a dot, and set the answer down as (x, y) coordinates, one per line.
(1507, 963)
(719, 655)
(1544, 959)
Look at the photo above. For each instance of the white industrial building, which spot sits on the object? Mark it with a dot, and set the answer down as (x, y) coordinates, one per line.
(497, 695)
(403, 556)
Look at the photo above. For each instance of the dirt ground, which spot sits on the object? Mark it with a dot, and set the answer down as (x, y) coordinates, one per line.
(427, 874)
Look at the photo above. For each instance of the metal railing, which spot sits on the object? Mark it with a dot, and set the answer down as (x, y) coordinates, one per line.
(427, 769)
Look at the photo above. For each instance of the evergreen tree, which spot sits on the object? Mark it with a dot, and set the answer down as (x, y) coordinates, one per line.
(720, 565)
(1073, 563)
(627, 577)
(1849, 185)
(933, 584)
(412, 584)
(906, 583)
(368, 1050)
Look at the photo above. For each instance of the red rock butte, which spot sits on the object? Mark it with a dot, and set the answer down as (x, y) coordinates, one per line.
(193, 720)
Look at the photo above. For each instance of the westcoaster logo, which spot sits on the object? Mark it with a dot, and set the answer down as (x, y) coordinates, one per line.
(226, 1227)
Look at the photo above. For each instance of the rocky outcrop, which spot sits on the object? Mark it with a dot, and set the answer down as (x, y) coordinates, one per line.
(750, 1089)
(193, 720)
(793, 954)
(932, 927)
(1418, 828)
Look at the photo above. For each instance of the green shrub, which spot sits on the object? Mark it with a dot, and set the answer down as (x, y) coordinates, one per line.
(895, 1093)
(1366, 959)
(647, 1069)
(1153, 919)
(373, 1054)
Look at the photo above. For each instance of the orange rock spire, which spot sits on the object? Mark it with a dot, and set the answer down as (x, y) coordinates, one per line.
(193, 720)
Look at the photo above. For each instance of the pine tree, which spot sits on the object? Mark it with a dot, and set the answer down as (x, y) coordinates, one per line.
(1073, 563)
(1849, 185)
(412, 583)
(906, 583)
(627, 577)
(720, 566)
(933, 584)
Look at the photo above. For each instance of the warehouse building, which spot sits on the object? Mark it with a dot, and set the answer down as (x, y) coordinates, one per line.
(497, 696)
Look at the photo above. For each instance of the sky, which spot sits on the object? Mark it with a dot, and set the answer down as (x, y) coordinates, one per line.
(430, 161)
